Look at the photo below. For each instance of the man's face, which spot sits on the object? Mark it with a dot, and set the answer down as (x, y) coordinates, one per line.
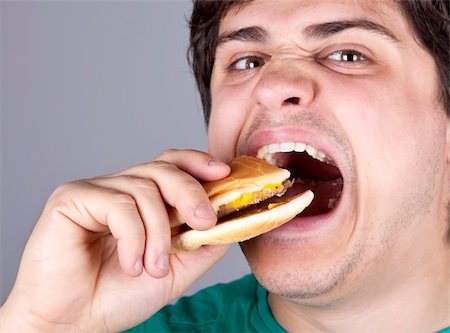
(348, 79)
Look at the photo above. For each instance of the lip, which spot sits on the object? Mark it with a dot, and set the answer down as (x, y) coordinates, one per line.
(316, 225)
(311, 233)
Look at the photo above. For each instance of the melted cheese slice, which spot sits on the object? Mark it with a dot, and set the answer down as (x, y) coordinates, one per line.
(247, 199)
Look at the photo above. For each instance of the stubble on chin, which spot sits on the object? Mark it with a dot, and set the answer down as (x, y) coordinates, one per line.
(308, 285)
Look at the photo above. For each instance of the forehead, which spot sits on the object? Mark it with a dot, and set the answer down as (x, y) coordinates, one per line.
(299, 13)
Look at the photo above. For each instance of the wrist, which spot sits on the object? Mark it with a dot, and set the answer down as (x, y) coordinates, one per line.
(15, 319)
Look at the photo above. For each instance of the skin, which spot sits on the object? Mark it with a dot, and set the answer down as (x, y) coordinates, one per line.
(384, 251)
(119, 273)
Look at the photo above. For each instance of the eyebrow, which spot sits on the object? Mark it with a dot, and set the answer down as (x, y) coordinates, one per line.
(314, 31)
(249, 34)
(327, 29)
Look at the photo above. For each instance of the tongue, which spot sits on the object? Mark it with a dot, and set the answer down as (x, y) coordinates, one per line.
(326, 194)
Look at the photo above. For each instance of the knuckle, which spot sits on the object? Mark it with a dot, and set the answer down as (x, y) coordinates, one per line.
(142, 184)
(65, 188)
(163, 166)
(63, 201)
(194, 188)
(160, 164)
(166, 154)
(123, 203)
(146, 185)
(124, 200)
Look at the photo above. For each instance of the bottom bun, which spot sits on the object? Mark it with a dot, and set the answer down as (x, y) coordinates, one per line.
(244, 227)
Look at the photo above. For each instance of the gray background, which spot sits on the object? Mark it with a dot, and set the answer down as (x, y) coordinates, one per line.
(89, 88)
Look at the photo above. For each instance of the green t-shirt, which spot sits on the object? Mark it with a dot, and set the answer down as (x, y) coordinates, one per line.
(239, 306)
(230, 307)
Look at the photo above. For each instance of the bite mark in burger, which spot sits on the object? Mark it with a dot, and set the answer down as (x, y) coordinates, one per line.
(248, 202)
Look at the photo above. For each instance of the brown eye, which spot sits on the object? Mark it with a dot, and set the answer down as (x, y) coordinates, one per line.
(249, 62)
(348, 56)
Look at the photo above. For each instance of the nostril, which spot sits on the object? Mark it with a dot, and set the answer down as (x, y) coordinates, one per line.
(292, 100)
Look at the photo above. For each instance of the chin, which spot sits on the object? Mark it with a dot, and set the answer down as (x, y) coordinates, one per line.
(310, 259)
(291, 277)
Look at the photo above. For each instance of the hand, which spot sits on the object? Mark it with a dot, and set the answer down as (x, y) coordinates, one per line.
(98, 259)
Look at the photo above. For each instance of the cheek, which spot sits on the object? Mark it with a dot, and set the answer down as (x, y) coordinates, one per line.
(393, 114)
(397, 135)
(228, 115)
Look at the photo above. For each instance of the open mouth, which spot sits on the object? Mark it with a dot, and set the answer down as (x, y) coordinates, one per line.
(312, 170)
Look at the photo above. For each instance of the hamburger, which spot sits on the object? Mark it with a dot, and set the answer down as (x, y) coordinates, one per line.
(249, 202)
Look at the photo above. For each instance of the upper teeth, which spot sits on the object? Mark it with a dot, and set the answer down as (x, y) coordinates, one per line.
(266, 152)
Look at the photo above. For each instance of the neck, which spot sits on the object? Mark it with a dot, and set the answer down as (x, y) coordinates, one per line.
(414, 299)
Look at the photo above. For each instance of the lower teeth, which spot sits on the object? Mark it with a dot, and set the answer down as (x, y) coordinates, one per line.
(327, 194)
(332, 201)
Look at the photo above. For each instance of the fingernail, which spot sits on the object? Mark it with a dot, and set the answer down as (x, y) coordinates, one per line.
(138, 265)
(205, 211)
(162, 262)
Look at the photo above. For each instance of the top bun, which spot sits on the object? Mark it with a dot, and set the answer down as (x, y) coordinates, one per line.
(251, 180)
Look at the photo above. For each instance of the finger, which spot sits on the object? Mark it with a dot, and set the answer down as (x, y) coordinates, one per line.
(180, 190)
(185, 193)
(99, 209)
(199, 164)
(193, 209)
(153, 214)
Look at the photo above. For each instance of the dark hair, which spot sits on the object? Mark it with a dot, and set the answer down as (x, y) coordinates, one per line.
(429, 20)
(204, 25)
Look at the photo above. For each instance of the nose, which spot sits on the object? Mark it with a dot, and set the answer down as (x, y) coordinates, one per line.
(283, 85)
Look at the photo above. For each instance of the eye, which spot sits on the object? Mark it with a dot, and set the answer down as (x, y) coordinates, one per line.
(347, 56)
(247, 62)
